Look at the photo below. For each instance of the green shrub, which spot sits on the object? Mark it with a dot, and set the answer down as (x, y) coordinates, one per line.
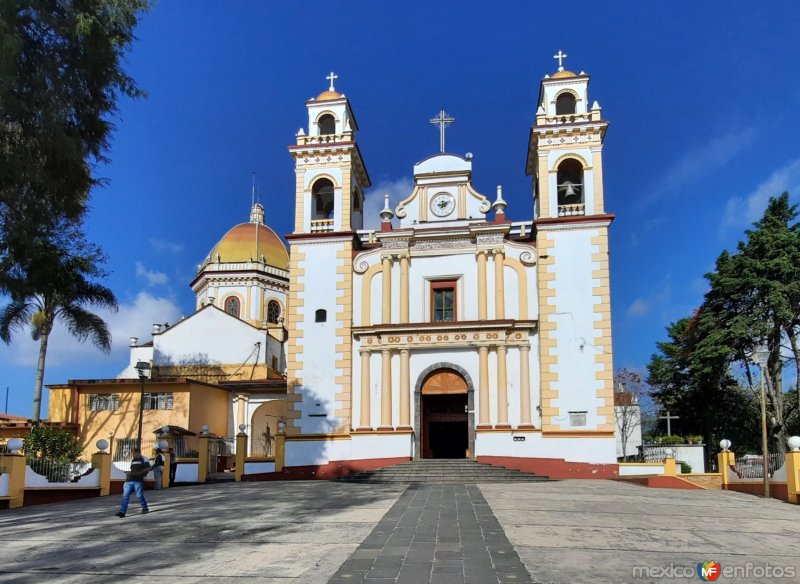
(686, 468)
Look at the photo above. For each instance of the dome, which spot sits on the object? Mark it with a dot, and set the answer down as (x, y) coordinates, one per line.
(239, 245)
(329, 95)
(563, 74)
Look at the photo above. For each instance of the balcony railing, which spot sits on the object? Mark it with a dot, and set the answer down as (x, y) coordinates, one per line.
(321, 225)
(324, 139)
(571, 210)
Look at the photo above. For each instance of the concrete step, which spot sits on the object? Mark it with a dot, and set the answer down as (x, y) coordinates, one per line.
(442, 471)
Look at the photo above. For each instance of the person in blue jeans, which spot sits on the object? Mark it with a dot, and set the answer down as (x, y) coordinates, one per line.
(134, 482)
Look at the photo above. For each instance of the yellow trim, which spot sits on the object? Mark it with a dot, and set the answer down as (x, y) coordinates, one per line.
(577, 434)
(320, 175)
(404, 260)
(482, 311)
(414, 193)
(543, 182)
(597, 180)
(405, 388)
(312, 437)
(344, 337)
(522, 285)
(386, 388)
(483, 385)
(564, 157)
(499, 285)
(324, 113)
(524, 385)
(502, 386)
(366, 293)
(386, 287)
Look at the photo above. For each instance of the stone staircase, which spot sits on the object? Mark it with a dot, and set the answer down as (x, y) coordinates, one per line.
(442, 471)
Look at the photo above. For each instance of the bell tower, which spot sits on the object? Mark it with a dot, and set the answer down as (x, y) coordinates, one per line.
(565, 159)
(330, 180)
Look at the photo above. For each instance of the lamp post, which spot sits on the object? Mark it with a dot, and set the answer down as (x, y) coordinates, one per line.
(760, 356)
(143, 369)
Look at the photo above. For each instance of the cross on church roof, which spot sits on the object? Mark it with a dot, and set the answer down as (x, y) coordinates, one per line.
(332, 77)
(442, 120)
(560, 56)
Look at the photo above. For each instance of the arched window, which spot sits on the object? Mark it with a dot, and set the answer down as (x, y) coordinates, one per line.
(232, 306)
(322, 193)
(565, 104)
(570, 182)
(327, 125)
(321, 315)
(273, 311)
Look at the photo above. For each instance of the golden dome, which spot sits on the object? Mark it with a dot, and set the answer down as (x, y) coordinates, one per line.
(329, 95)
(563, 74)
(249, 241)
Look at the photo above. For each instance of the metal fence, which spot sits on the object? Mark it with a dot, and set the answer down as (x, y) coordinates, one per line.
(59, 472)
(751, 466)
(263, 445)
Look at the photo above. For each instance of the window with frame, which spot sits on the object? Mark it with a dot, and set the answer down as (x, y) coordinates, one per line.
(273, 311)
(158, 401)
(443, 301)
(99, 402)
(577, 419)
(232, 306)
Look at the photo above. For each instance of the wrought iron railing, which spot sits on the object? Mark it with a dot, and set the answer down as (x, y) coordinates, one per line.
(751, 466)
(59, 471)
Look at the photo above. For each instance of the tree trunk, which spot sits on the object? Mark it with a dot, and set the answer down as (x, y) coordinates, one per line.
(774, 387)
(37, 390)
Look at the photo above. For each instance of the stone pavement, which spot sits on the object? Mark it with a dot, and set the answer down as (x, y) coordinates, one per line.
(569, 532)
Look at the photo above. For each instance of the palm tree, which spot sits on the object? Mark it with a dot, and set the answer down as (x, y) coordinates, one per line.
(58, 288)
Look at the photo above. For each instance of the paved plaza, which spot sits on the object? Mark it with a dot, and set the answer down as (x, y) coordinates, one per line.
(568, 532)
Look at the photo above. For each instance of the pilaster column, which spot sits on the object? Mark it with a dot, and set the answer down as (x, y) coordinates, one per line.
(364, 418)
(405, 389)
(386, 305)
(241, 417)
(403, 289)
(502, 389)
(499, 285)
(483, 387)
(482, 285)
(524, 387)
(386, 390)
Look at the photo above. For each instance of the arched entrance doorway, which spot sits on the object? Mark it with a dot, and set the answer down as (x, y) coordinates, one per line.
(443, 415)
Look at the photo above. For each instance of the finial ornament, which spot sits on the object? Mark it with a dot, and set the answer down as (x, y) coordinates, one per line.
(332, 77)
(560, 56)
(386, 213)
(442, 120)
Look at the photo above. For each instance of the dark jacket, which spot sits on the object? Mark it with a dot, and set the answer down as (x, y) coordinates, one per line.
(138, 470)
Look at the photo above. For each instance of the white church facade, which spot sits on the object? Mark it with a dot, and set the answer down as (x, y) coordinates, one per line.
(452, 331)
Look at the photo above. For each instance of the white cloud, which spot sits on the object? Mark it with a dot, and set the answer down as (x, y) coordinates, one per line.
(397, 189)
(163, 245)
(153, 278)
(639, 307)
(133, 319)
(703, 161)
(742, 211)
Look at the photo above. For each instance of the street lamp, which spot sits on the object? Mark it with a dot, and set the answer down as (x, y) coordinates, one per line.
(760, 356)
(144, 370)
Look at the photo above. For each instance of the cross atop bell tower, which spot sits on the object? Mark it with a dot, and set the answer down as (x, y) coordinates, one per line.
(560, 56)
(442, 120)
(565, 155)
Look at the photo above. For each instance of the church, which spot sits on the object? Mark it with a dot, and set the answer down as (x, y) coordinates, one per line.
(452, 331)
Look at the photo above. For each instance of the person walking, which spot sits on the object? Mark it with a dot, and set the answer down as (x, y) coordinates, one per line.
(134, 482)
(158, 468)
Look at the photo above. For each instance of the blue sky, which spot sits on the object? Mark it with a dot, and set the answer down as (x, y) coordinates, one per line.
(701, 98)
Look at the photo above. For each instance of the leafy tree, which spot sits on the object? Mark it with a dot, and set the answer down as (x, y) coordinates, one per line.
(754, 301)
(50, 452)
(694, 383)
(49, 443)
(57, 286)
(60, 79)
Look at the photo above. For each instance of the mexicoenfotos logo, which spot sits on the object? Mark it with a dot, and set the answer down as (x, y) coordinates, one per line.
(709, 571)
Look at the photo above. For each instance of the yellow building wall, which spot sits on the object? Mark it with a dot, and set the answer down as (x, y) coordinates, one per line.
(124, 422)
(209, 406)
(59, 407)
